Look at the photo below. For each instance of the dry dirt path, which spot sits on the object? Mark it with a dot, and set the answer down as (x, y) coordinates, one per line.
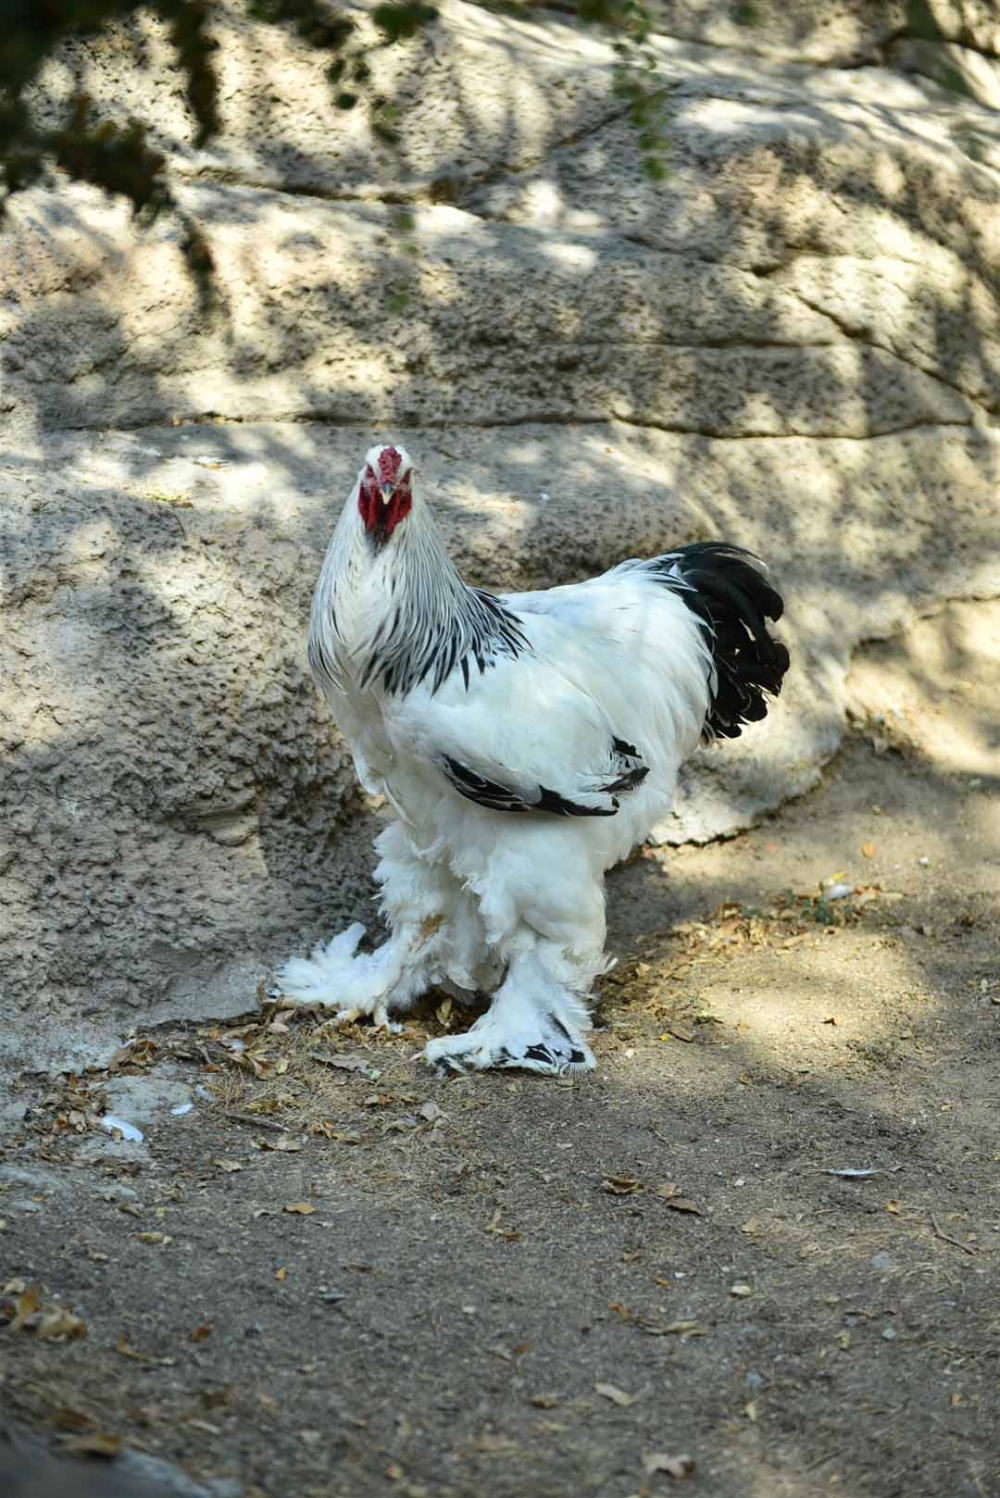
(329, 1281)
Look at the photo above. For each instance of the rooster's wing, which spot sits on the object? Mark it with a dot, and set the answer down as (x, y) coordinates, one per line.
(520, 736)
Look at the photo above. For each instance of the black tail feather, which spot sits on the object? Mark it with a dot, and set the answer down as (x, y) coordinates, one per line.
(733, 601)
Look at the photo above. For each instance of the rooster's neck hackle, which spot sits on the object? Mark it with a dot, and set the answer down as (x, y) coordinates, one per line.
(394, 617)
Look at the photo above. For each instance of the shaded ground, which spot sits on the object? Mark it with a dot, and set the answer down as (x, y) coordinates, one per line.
(469, 1260)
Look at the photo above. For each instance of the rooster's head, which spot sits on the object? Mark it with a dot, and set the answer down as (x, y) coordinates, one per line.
(385, 495)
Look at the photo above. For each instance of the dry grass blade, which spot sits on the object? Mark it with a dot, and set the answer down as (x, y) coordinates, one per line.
(616, 1395)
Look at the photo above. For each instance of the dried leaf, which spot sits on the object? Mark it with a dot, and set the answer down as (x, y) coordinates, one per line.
(284, 1143)
(281, 1274)
(673, 1466)
(670, 1193)
(93, 1443)
(56, 1324)
(153, 1238)
(202, 1332)
(66, 1418)
(868, 850)
(300, 1209)
(348, 1063)
(617, 1396)
(893, 1207)
(25, 1306)
(673, 1328)
(621, 1185)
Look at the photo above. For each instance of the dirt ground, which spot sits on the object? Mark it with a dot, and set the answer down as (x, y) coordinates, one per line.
(348, 1279)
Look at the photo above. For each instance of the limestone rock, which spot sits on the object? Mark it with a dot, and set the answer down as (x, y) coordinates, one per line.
(959, 69)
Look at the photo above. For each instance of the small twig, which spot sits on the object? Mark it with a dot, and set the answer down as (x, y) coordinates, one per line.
(969, 1248)
(821, 1461)
(258, 1123)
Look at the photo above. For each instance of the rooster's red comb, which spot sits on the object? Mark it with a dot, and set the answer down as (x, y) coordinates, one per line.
(390, 460)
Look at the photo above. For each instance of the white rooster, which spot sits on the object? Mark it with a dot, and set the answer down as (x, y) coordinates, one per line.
(525, 743)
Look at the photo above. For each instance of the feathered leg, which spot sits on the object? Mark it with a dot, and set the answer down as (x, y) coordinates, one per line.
(433, 935)
(535, 1023)
(542, 910)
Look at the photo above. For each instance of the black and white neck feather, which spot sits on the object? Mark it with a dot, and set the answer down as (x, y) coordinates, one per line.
(391, 613)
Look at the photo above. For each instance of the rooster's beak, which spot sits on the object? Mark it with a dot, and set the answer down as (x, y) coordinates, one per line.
(387, 492)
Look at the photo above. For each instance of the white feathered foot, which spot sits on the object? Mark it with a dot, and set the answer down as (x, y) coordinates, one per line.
(533, 1024)
(369, 985)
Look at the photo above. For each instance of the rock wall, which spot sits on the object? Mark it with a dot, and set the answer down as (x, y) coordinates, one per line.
(793, 342)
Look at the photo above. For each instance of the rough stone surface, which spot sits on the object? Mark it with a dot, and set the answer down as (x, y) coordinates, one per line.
(794, 342)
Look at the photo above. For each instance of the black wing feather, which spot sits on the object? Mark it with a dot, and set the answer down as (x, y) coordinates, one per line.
(627, 768)
(722, 586)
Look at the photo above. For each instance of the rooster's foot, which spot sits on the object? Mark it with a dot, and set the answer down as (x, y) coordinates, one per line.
(336, 976)
(549, 1047)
